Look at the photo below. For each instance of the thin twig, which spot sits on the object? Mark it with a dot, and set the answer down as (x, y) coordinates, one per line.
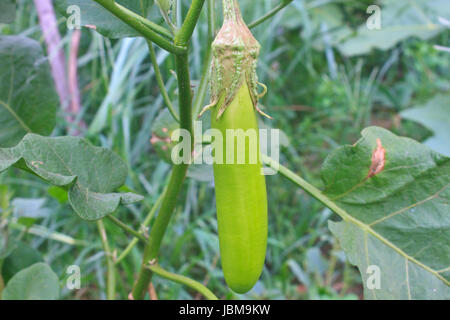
(159, 80)
(197, 286)
(270, 14)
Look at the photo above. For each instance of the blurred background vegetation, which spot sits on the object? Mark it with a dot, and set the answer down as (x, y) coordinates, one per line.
(327, 77)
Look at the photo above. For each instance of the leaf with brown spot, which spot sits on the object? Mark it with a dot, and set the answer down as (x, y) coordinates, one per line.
(378, 160)
(398, 221)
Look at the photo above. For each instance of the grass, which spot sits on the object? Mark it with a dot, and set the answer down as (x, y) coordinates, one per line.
(319, 101)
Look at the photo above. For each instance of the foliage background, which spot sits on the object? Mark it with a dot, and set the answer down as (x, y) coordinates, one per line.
(320, 97)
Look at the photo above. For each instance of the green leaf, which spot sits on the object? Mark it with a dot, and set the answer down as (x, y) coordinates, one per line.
(398, 219)
(37, 282)
(28, 100)
(95, 16)
(435, 115)
(399, 20)
(90, 174)
(22, 257)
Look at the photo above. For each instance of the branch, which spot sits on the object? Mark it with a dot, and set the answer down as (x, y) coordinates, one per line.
(197, 286)
(175, 183)
(159, 80)
(150, 30)
(270, 14)
(185, 33)
(309, 188)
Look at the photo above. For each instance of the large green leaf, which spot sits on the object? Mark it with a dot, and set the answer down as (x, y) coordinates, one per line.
(37, 282)
(95, 16)
(89, 173)
(435, 115)
(28, 100)
(397, 218)
(400, 19)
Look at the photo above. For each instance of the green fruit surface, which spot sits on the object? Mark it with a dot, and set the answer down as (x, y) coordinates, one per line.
(241, 199)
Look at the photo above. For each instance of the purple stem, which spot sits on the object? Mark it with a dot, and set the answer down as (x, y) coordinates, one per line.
(49, 26)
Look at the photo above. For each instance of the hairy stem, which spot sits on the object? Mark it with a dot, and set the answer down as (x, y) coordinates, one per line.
(231, 9)
(197, 286)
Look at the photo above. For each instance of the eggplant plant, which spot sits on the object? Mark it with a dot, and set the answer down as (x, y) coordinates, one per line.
(391, 193)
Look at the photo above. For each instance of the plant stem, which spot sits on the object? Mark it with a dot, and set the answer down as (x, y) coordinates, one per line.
(309, 188)
(159, 229)
(111, 279)
(151, 25)
(175, 183)
(270, 14)
(211, 5)
(185, 33)
(159, 80)
(179, 170)
(197, 286)
(126, 228)
(145, 224)
(150, 30)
